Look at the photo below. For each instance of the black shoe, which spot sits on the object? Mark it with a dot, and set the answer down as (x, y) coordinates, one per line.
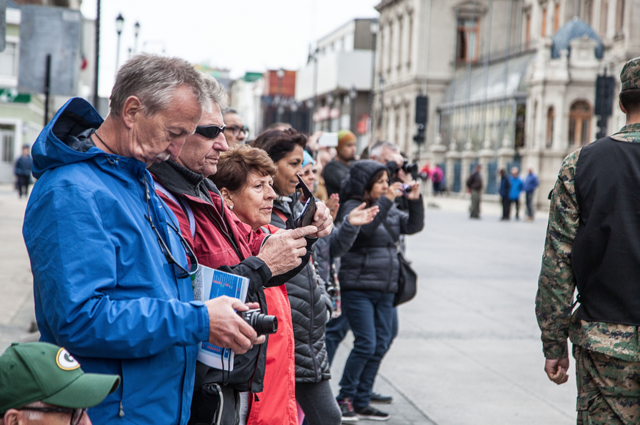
(371, 413)
(348, 414)
(380, 399)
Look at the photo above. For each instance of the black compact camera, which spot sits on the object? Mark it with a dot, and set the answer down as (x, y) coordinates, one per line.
(411, 169)
(262, 323)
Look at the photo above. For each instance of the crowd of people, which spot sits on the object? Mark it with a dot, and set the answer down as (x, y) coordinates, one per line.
(126, 209)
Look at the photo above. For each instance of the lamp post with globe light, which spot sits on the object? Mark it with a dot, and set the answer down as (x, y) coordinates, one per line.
(119, 26)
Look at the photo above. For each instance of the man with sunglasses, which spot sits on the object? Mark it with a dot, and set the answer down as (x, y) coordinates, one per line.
(222, 242)
(43, 384)
(235, 132)
(111, 277)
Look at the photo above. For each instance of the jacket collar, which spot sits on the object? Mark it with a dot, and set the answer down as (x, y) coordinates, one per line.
(182, 181)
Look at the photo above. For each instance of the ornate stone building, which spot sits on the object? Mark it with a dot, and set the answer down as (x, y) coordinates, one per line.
(510, 82)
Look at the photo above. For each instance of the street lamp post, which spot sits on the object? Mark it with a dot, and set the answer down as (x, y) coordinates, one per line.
(97, 58)
(119, 26)
(353, 94)
(280, 74)
(374, 27)
(136, 32)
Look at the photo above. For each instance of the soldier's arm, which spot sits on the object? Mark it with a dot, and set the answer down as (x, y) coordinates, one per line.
(556, 284)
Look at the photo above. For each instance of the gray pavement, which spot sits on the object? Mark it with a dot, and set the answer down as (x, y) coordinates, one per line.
(468, 351)
(16, 293)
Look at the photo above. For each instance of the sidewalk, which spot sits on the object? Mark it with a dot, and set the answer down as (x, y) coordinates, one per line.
(16, 285)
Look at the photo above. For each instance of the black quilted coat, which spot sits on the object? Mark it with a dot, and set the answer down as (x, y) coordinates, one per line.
(310, 307)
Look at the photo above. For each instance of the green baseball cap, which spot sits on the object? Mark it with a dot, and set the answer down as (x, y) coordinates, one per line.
(38, 371)
(630, 75)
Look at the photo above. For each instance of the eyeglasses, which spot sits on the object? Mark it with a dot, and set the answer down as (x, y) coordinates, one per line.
(76, 414)
(236, 130)
(179, 271)
(210, 131)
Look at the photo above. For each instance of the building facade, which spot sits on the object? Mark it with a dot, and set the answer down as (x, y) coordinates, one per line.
(336, 82)
(510, 83)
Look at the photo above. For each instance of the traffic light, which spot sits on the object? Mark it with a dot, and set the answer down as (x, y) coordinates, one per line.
(422, 109)
(604, 95)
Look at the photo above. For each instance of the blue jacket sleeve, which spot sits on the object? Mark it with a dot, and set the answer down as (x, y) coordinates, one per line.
(79, 295)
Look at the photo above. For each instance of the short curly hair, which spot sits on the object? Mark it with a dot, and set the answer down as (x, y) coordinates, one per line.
(235, 165)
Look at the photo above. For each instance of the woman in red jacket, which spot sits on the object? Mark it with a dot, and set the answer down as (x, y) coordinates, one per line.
(245, 181)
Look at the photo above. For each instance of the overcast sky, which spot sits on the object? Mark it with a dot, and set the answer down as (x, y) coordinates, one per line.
(242, 35)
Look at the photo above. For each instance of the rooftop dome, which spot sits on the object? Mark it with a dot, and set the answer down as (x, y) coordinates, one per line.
(575, 28)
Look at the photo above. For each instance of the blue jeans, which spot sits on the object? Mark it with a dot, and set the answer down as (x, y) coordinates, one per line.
(337, 329)
(370, 314)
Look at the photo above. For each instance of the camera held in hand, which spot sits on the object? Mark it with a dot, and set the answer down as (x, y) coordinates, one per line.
(410, 169)
(262, 323)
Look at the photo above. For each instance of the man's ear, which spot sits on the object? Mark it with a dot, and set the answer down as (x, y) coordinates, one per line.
(130, 111)
(13, 417)
(226, 195)
(624, 111)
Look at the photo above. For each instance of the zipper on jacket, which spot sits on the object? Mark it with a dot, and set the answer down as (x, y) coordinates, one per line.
(313, 303)
(121, 410)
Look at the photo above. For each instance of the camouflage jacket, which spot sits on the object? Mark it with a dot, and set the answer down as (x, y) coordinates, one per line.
(556, 285)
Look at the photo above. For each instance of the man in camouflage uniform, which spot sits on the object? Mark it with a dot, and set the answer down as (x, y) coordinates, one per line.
(602, 262)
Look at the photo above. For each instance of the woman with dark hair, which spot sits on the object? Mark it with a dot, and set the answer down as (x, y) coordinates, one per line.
(369, 278)
(505, 187)
(310, 303)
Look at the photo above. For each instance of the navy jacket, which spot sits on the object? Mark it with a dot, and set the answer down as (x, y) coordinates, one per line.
(372, 262)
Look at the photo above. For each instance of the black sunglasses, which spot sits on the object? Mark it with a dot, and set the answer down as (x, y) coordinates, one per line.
(179, 271)
(76, 414)
(210, 131)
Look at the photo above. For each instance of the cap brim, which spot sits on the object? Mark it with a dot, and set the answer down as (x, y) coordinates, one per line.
(85, 392)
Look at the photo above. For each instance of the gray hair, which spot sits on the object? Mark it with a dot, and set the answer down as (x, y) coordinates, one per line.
(377, 147)
(152, 79)
(230, 111)
(214, 92)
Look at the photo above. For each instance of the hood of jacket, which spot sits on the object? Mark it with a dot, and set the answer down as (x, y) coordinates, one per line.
(65, 140)
(359, 175)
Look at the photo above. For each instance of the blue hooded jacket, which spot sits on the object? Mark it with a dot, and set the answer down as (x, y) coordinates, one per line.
(103, 288)
(516, 187)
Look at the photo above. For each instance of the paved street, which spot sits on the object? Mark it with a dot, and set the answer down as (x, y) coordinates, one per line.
(468, 350)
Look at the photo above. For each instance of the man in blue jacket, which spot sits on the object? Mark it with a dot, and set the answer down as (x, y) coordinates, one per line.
(516, 189)
(111, 278)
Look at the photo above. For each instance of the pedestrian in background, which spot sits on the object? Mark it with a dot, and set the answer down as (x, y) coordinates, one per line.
(515, 190)
(22, 171)
(474, 184)
(505, 188)
(336, 170)
(369, 280)
(531, 183)
(437, 177)
(592, 246)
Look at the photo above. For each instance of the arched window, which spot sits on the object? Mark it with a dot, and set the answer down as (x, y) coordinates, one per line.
(550, 118)
(580, 123)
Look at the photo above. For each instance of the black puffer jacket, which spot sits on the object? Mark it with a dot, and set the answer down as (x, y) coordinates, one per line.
(372, 262)
(310, 305)
(333, 246)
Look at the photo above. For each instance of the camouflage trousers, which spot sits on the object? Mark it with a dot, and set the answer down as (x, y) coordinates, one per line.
(608, 389)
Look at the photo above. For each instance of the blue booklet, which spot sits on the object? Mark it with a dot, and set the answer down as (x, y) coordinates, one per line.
(208, 284)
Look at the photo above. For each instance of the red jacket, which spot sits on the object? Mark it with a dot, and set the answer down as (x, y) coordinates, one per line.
(275, 402)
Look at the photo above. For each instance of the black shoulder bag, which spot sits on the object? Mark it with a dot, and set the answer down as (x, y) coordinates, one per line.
(407, 277)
